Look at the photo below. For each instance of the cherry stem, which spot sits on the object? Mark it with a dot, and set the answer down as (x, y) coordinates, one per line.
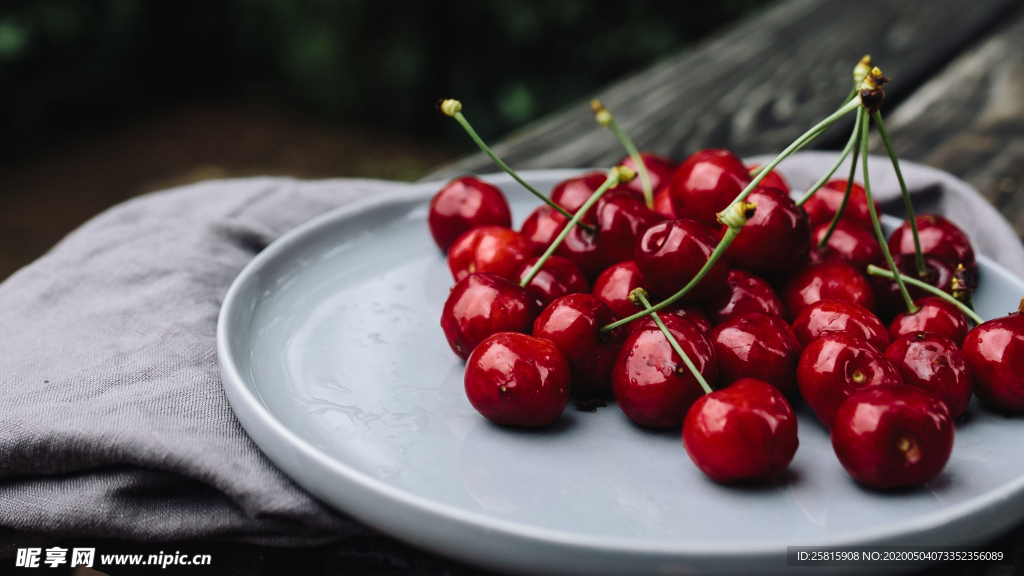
(604, 118)
(800, 142)
(876, 271)
(850, 145)
(487, 150)
(911, 307)
(727, 239)
(613, 178)
(911, 217)
(640, 295)
(849, 185)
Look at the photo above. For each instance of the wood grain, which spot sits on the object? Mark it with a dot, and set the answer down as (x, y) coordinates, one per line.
(969, 120)
(755, 87)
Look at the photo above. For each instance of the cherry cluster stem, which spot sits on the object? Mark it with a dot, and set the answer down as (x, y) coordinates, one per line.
(849, 182)
(911, 307)
(911, 217)
(851, 145)
(611, 180)
(876, 271)
(674, 343)
(641, 168)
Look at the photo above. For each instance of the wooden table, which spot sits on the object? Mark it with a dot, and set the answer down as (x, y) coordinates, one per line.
(956, 102)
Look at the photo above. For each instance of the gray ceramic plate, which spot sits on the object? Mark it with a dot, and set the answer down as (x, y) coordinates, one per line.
(334, 361)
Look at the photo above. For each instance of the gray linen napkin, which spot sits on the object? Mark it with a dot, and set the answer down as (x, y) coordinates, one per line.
(113, 421)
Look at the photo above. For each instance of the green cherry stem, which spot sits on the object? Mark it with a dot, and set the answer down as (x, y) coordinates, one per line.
(911, 307)
(849, 185)
(641, 295)
(876, 271)
(453, 108)
(734, 217)
(804, 139)
(850, 145)
(604, 118)
(615, 175)
(911, 217)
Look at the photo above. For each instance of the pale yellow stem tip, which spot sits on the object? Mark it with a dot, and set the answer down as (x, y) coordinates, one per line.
(449, 107)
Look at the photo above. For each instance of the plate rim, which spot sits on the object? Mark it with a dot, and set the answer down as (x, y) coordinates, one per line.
(261, 425)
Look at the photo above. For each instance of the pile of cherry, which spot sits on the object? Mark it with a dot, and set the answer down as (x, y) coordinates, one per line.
(776, 318)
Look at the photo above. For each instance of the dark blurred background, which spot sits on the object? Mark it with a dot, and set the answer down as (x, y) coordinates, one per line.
(101, 100)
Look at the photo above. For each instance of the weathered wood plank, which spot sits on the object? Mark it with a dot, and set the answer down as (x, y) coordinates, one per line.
(969, 120)
(757, 86)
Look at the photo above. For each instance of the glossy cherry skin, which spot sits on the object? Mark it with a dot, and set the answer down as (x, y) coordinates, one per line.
(849, 243)
(663, 203)
(822, 207)
(757, 345)
(463, 204)
(517, 380)
(995, 354)
(670, 254)
(775, 240)
(892, 436)
(936, 365)
(652, 384)
(771, 180)
(493, 249)
(483, 304)
(826, 281)
(573, 192)
(621, 217)
(834, 316)
(706, 183)
(835, 366)
(934, 315)
(887, 293)
(939, 238)
(747, 431)
(541, 228)
(659, 170)
(574, 324)
(673, 313)
(614, 285)
(555, 279)
(744, 292)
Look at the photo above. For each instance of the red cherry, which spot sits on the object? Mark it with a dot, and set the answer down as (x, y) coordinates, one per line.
(834, 316)
(744, 432)
(706, 183)
(934, 364)
(670, 314)
(822, 206)
(556, 278)
(939, 238)
(934, 315)
(776, 239)
(541, 228)
(835, 366)
(744, 293)
(621, 218)
(659, 170)
(573, 192)
(494, 249)
(614, 285)
(574, 324)
(826, 281)
(757, 345)
(892, 436)
(670, 254)
(995, 354)
(663, 203)
(771, 180)
(463, 204)
(652, 384)
(483, 304)
(517, 380)
(887, 293)
(849, 243)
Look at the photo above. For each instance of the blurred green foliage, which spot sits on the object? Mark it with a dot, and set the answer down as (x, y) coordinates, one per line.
(68, 64)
